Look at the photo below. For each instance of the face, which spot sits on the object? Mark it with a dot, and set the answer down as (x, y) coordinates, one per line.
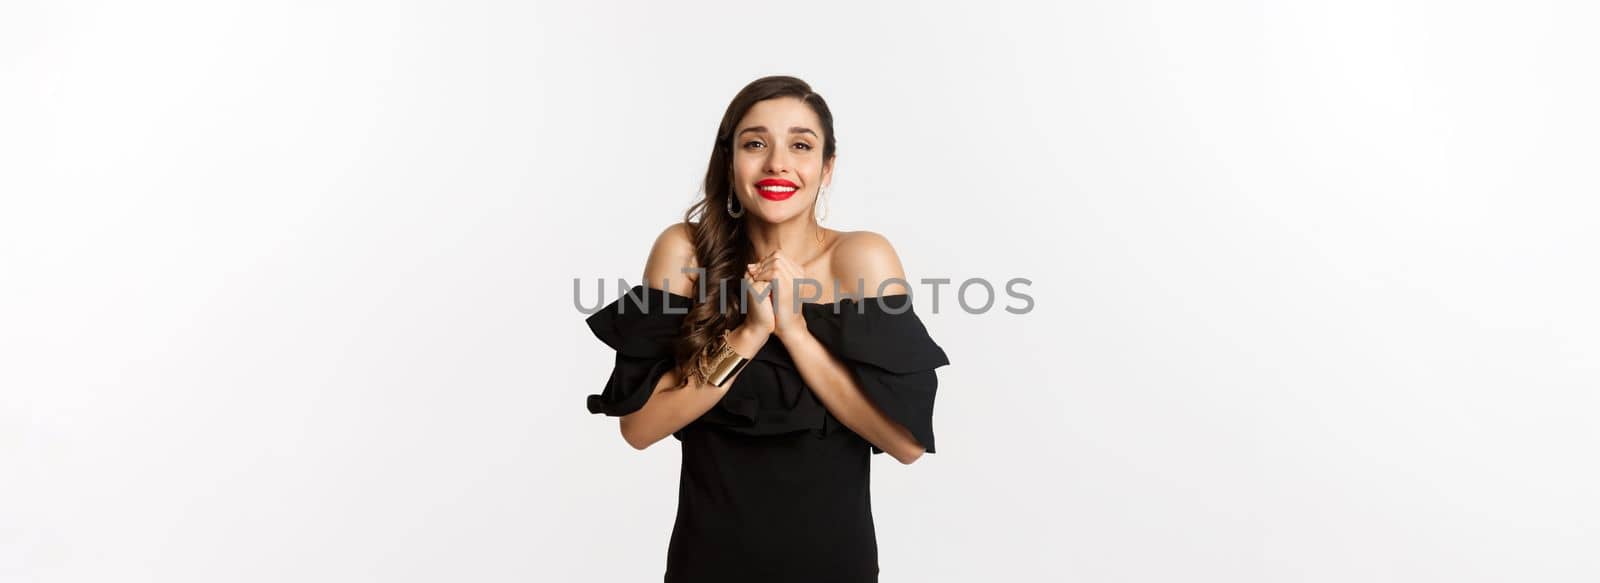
(778, 168)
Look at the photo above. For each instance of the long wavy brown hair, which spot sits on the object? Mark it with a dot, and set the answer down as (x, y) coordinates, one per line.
(721, 244)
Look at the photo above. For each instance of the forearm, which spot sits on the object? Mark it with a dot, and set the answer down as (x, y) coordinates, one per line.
(667, 411)
(833, 384)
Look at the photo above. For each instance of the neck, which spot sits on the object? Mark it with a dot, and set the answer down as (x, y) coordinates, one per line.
(797, 238)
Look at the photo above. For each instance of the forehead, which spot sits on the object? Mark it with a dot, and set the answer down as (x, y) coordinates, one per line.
(782, 112)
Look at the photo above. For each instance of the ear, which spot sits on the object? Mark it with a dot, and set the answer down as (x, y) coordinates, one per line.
(827, 170)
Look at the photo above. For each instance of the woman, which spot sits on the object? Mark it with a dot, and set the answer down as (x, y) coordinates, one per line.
(777, 352)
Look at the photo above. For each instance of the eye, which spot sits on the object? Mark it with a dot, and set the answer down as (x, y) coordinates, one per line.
(751, 142)
(808, 146)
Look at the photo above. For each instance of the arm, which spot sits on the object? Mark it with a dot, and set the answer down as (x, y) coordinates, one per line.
(838, 391)
(667, 411)
(866, 257)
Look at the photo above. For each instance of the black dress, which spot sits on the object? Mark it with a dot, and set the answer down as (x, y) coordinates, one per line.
(773, 488)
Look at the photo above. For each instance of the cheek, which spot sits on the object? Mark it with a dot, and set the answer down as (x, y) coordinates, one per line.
(743, 169)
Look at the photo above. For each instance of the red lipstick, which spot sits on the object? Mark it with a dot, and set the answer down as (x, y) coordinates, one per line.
(775, 189)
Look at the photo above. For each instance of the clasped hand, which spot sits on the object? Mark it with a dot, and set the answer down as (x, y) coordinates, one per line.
(780, 310)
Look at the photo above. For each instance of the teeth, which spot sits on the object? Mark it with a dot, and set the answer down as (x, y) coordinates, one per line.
(777, 188)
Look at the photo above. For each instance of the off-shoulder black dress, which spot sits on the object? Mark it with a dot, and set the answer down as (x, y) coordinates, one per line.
(773, 488)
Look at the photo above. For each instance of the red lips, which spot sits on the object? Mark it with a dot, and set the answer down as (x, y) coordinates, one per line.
(776, 195)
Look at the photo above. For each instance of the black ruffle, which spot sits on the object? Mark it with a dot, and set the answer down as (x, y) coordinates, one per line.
(769, 398)
(641, 326)
(880, 339)
(884, 343)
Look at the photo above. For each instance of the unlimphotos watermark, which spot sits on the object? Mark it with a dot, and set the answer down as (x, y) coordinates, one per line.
(806, 290)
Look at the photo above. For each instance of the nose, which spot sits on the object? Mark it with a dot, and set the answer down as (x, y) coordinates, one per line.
(776, 162)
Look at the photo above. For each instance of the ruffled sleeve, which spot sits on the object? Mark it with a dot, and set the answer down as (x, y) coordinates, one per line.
(641, 326)
(887, 348)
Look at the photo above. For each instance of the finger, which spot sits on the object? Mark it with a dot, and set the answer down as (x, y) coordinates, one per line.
(764, 273)
(786, 273)
(788, 266)
(780, 280)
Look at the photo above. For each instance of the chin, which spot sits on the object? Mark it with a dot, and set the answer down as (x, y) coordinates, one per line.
(780, 211)
(779, 216)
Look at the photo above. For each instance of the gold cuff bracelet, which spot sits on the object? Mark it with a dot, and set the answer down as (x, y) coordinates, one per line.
(725, 363)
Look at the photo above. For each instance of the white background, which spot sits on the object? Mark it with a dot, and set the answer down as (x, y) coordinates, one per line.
(286, 287)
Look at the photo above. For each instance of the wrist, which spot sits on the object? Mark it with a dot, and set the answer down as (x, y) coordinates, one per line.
(794, 331)
(747, 339)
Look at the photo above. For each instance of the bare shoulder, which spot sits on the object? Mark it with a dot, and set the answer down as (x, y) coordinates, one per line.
(670, 255)
(867, 259)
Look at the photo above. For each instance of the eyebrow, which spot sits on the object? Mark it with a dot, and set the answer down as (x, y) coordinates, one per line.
(793, 130)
